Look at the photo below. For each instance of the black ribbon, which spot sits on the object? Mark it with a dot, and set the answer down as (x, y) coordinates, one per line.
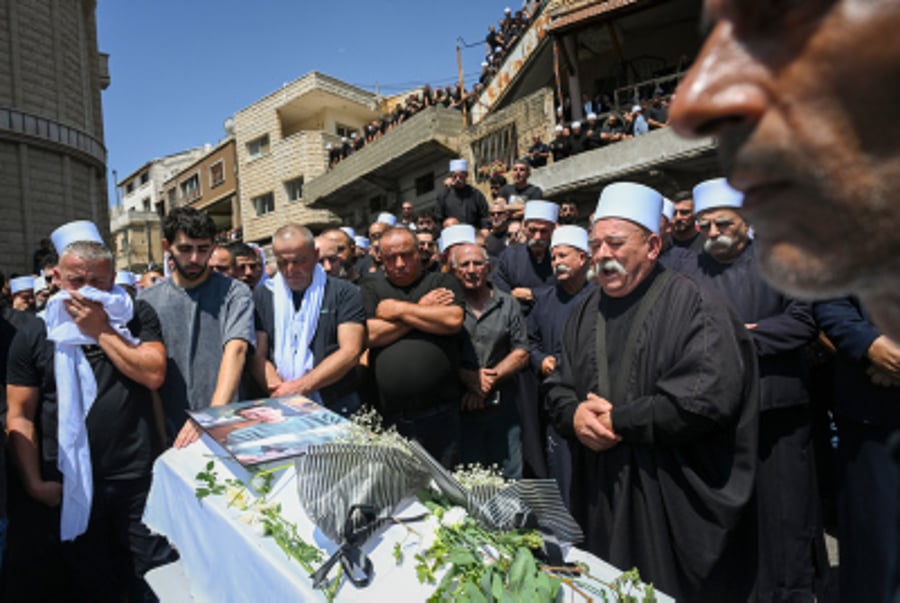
(550, 552)
(362, 521)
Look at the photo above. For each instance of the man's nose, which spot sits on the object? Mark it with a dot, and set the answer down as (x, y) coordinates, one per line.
(723, 88)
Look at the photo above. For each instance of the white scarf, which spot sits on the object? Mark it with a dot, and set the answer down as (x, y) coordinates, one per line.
(294, 331)
(76, 391)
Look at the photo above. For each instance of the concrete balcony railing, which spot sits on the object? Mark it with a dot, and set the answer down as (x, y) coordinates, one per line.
(634, 159)
(432, 129)
(120, 219)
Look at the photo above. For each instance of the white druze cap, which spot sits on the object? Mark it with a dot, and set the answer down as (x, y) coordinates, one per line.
(714, 194)
(631, 201)
(573, 236)
(541, 210)
(388, 218)
(350, 232)
(361, 242)
(459, 165)
(668, 209)
(21, 283)
(123, 277)
(80, 230)
(40, 283)
(456, 234)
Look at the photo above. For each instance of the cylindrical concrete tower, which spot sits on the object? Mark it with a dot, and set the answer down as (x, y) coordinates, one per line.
(52, 157)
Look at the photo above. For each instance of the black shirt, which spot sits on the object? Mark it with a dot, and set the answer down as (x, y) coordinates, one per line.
(466, 204)
(120, 422)
(529, 193)
(420, 370)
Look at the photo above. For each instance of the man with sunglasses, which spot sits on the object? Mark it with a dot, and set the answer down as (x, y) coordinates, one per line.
(790, 545)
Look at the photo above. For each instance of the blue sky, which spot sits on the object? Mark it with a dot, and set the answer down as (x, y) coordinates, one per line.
(180, 68)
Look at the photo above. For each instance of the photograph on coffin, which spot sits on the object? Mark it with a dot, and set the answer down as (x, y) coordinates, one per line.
(270, 429)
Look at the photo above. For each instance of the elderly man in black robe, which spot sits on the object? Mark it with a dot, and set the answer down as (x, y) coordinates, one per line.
(657, 390)
(461, 200)
(789, 525)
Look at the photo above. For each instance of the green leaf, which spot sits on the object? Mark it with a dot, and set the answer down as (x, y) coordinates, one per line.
(498, 589)
(461, 556)
(202, 492)
(520, 568)
(210, 465)
(473, 593)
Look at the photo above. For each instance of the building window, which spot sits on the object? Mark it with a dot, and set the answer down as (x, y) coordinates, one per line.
(170, 195)
(190, 188)
(258, 147)
(217, 173)
(495, 151)
(264, 204)
(294, 189)
(146, 203)
(145, 177)
(129, 188)
(424, 184)
(343, 130)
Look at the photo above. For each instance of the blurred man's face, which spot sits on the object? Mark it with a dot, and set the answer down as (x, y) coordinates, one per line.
(724, 232)
(329, 259)
(568, 213)
(190, 257)
(262, 414)
(296, 259)
(470, 266)
(425, 223)
(794, 96)
(220, 261)
(520, 172)
(23, 300)
(683, 219)
(427, 247)
(406, 211)
(400, 257)
(74, 272)
(567, 262)
(248, 270)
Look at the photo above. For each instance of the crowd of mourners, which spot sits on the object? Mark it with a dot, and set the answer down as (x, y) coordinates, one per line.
(502, 38)
(475, 327)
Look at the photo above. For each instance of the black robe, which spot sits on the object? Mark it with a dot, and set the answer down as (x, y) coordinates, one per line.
(671, 498)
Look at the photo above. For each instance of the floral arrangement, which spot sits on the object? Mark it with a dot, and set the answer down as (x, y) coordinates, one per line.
(466, 551)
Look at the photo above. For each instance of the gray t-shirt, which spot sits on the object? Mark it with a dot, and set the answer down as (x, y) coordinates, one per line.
(196, 325)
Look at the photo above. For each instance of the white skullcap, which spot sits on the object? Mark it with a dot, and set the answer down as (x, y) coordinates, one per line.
(541, 210)
(455, 235)
(21, 283)
(352, 134)
(668, 209)
(387, 218)
(498, 49)
(40, 283)
(558, 128)
(123, 277)
(361, 242)
(459, 165)
(343, 139)
(714, 194)
(592, 115)
(328, 146)
(350, 232)
(507, 10)
(636, 109)
(80, 230)
(630, 201)
(484, 63)
(576, 124)
(573, 236)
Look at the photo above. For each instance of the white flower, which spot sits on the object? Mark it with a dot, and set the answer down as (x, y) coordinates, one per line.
(236, 497)
(248, 517)
(429, 533)
(454, 517)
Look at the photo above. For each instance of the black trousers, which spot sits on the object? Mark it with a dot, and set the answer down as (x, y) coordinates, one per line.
(436, 429)
(790, 538)
(868, 508)
(110, 559)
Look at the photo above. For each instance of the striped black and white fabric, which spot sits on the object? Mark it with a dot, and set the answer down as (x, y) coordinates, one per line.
(332, 478)
(507, 508)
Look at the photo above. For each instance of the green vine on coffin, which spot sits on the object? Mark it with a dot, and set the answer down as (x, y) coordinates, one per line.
(264, 516)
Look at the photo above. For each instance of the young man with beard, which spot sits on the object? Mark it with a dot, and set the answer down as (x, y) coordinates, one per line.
(684, 226)
(246, 265)
(791, 549)
(207, 322)
(656, 391)
(461, 200)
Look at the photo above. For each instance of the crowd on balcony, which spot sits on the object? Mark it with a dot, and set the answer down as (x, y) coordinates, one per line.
(501, 39)
(450, 97)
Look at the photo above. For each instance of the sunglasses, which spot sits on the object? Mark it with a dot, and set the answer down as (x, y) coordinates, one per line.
(720, 224)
